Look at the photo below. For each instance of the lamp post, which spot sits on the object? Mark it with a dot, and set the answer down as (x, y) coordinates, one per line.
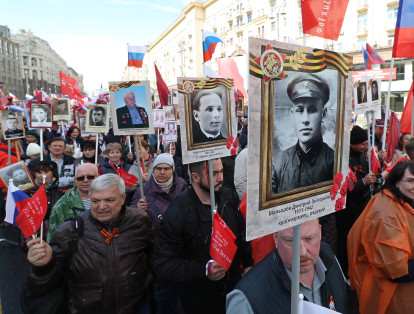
(278, 18)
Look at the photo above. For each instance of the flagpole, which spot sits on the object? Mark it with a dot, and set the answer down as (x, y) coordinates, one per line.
(96, 148)
(210, 167)
(41, 144)
(141, 183)
(294, 300)
(9, 150)
(41, 226)
(387, 106)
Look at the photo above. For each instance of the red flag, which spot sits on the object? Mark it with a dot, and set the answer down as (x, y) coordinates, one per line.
(406, 114)
(323, 19)
(375, 164)
(69, 86)
(371, 57)
(222, 246)
(163, 90)
(243, 205)
(31, 216)
(129, 179)
(393, 136)
(227, 68)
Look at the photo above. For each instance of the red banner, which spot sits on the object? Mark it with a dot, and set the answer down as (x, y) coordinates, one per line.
(129, 179)
(323, 18)
(222, 246)
(163, 90)
(69, 86)
(30, 218)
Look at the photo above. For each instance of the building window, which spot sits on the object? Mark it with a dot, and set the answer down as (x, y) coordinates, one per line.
(392, 14)
(249, 18)
(273, 26)
(6, 48)
(16, 53)
(1, 46)
(240, 21)
(362, 22)
(263, 35)
(300, 31)
(400, 71)
(24, 60)
(390, 40)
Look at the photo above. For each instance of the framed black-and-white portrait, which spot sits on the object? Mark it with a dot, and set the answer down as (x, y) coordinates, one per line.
(208, 123)
(97, 119)
(20, 175)
(12, 127)
(131, 108)
(41, 116)
(300, 139)
(61, 109)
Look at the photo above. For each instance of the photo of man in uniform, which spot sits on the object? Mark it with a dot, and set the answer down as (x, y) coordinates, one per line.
(97, 116)
(61, 108)
(131, 115)
(208, 109)
(12, 127)
(310, 160)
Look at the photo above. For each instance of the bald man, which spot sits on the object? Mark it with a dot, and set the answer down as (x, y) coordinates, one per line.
(74, 201)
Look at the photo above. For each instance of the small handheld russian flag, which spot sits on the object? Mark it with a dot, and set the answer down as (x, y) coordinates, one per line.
(210, 41)
(16, 201)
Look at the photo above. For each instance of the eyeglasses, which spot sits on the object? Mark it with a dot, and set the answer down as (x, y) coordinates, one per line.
(159, 169)
(409, 181)
(82, 178)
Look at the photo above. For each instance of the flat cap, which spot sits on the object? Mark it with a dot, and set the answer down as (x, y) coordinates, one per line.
(308, 86)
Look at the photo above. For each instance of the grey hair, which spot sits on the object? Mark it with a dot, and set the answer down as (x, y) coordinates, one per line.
(107, 181)
(128, 92)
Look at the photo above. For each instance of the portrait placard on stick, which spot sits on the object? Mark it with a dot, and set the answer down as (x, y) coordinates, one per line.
(20, 175)
(299, 145)
(41, 116)
(131, 108)
(97, 119)
(159, 118)
(208, 122)
(12, 128)
(367, 95)
(61, 109)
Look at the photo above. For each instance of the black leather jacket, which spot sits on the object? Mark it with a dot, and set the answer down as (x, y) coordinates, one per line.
(101, 277)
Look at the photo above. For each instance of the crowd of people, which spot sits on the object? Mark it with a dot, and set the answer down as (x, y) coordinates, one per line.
(109, 248)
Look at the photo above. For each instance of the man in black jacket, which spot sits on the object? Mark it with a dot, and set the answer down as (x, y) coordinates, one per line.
(109, 271)
(267, 288)
(182, 249)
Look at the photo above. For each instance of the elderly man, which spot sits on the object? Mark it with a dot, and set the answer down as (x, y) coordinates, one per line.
(76, 200)
(208, 112)
(108, 271)
(40, 114)
(131, 115)
(266, 288)
(310, 160)
(160, 190)
(182, 249)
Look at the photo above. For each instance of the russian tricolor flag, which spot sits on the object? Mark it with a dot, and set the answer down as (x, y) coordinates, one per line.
(136, 55)
(210, 41)
(16, 201)
(371, 57)
(404, 30)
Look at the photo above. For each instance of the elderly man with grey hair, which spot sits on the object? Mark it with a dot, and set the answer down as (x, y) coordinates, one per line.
(131, 115)
(108, 270)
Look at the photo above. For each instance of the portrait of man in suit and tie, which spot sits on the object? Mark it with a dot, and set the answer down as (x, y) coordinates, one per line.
(131, 115)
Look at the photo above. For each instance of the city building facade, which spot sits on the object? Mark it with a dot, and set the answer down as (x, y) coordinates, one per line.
(178, 51)
(10, 74)
(40, 64)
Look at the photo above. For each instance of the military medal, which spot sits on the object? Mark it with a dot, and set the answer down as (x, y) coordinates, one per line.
(332, 304)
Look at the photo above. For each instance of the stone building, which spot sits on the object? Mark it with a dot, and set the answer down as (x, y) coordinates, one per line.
(10, 73)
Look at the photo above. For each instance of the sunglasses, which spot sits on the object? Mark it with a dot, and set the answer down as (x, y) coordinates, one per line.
(82, 178)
